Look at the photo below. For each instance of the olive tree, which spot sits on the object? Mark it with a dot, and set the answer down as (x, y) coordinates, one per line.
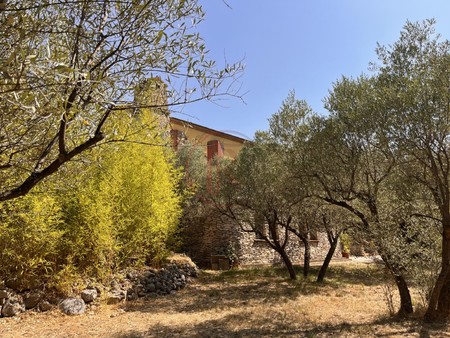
(270, 180)
(255, 194)
(414, 75)
(291, 129)
(350, 160)
(68, 69)
(388, 137)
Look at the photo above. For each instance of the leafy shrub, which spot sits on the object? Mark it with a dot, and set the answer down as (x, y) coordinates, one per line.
(122, 207)
(29, 237)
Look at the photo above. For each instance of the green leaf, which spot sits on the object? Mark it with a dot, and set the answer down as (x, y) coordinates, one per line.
(159, 37)
(64, 69)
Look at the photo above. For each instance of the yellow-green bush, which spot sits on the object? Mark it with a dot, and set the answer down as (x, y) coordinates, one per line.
(126, 208)
(88, 243)
(120, 208)
(29, 237)
(145, 207)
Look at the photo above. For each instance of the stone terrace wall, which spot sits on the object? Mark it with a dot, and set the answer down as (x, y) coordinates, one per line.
(215, 235)
(126, 286)
(212, 235)
(255, 251)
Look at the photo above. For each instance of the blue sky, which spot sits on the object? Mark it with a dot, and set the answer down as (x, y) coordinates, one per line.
(303, 45)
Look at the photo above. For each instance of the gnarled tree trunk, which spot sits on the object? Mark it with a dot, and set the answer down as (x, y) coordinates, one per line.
(287, 261)
(333, 240)
(439, 304)
(406, 307)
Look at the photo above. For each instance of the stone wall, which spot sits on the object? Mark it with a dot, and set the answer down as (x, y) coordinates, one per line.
(256, 251)
(212, 235)
(126, 286)
(216, 235)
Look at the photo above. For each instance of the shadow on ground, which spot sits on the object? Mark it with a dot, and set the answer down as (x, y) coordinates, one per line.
(226, 327)
(226, 295)
(232, 296)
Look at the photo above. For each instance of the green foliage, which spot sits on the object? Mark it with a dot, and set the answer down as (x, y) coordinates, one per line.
(191, 160)
(69, 117)
(392, 141)
(127, 208)
(89, 242)
(122, 210)
(145, 202)
(29, 237)
(67, 280)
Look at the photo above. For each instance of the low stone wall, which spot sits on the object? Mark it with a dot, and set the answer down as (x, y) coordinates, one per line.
(129, 285)
(215, 236)
(254, 251)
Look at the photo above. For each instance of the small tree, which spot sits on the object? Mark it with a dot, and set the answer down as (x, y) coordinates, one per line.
(253, 192)
(192, 162)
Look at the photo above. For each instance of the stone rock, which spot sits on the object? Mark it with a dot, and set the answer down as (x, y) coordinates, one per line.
(148, 283)
(31, 300)
(14, 298)
(12, 309)
(53, 299)
(132, 295)
(4, 293)
(14, 284)
(72, 306)
(151, 287)
(45, 306)
(115, 297)
(148, 274)
(89, 295)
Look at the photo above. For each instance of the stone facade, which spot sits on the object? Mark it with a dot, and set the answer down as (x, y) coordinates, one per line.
(210, 236)
(215, 238)
(253, 251)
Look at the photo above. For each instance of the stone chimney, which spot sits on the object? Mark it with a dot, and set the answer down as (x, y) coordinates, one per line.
(152, 92)
(214, 149)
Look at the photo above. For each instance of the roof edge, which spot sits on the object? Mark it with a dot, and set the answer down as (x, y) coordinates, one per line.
(207, 130)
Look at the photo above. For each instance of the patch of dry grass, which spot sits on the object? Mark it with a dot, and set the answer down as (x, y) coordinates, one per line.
(242, 303)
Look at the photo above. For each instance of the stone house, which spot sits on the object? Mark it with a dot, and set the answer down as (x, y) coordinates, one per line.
(214, 241)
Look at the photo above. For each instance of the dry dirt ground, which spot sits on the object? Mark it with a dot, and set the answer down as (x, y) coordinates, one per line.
(242, 303)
